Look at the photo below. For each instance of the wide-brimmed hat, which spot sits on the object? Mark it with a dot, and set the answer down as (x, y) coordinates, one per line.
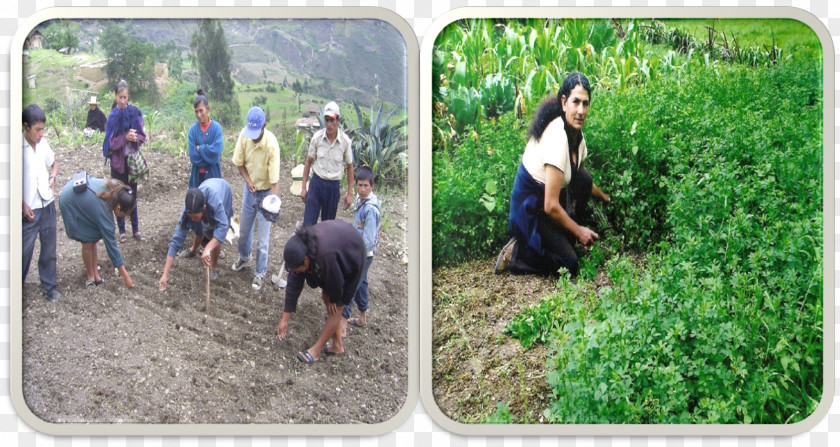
(256, 120)
(270, 207)
(297, 179)
(93, 100)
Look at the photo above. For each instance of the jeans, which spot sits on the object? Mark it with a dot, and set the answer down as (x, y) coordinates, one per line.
(322, 197)
(44, 226)
(249, 216)
(361, 298)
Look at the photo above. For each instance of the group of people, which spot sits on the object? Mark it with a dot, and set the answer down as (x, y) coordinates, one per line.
(331, 255)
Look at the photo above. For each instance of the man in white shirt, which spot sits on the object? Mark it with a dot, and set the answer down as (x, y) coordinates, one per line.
(330, 151)
(39, 215)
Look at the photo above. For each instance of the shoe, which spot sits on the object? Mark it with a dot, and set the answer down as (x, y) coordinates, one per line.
(186, 253)
(355, 322)
(53, 295)
(327, 351)
(305, 357)
(138, 236)
(95, 283)
(257, 283)
(239, 264)
(214, 275)
(123, 238)
(505, 256)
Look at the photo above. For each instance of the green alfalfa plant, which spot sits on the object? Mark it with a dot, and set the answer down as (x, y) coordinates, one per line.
(488, 198)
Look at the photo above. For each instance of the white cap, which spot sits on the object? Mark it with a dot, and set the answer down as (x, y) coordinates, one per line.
(332, 109)
(93, 100)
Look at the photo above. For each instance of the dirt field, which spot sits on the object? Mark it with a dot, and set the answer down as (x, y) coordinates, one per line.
(109, 354)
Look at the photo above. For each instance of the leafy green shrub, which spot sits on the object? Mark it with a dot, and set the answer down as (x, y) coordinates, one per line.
(463, 226)
(722, 323)
(497, 95)
(464, 106)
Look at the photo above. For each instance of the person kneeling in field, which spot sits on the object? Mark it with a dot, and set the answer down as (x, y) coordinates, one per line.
(330, 255)
(207, 211)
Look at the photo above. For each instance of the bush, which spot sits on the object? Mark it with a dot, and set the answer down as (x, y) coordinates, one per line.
(462, 226)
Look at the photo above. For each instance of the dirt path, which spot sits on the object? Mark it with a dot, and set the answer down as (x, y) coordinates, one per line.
(109, 354)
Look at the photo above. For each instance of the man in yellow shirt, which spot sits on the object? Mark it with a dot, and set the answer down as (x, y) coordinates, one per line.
(257, 155)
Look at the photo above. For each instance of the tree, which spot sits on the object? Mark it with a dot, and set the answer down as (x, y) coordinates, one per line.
(62, 34)
(210, 54)
(129, 59)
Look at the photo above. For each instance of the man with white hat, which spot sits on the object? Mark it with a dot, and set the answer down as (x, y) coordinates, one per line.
(330, 151)
(257, 155)
(96, 119)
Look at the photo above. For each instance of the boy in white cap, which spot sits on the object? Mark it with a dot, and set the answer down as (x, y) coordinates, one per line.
(330, 151)
(257, 155)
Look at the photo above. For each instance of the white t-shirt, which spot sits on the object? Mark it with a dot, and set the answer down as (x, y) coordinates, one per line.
(552, 149)
(36, 174)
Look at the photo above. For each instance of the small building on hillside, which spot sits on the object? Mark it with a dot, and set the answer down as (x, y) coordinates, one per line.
(35, 40)
(311, 121)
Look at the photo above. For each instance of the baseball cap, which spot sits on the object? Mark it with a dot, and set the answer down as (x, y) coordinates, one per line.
(256, 119)
(332, 109)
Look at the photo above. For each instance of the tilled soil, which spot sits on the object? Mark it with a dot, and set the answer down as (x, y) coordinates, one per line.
(109, 354)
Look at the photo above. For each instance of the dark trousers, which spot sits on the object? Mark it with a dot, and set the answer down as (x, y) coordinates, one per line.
(135, 220)
(42, 227)
(322, 197)
(557, 243)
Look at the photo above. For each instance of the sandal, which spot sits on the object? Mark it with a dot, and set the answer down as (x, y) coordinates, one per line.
(95, 283)
(306, 357)
(139, 237)
(355, 322)
(123, 238)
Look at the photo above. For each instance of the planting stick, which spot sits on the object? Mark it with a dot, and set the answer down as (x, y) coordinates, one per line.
(207, 304)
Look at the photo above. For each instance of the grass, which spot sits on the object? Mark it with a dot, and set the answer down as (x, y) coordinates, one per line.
(789, 34)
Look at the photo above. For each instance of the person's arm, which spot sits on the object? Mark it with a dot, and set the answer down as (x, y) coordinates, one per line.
(243, 171)
(211, 152)
(141, 131)
(126, 278)
(53, 173)
(27, 212)
(165, 276)
(293, 288)
(274, 166)
(552, 207)
(348, 199)
(371, 228)
(192, 146)
(306, 166)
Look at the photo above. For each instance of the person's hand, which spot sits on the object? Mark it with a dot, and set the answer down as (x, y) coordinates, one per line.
(331, 307)
(348, 200)
(162, 283)
(52, 182)
(605, 197)
(283, 328)
(303, 194)
(587, 236)
(251, 188)
(197, 148)
(28, 214)
(205, 257)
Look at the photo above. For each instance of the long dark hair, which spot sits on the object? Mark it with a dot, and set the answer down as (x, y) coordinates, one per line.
(118, 193)
(304, 243)
(551, 107)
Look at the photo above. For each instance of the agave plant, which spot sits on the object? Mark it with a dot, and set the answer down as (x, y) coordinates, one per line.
(381, 146)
